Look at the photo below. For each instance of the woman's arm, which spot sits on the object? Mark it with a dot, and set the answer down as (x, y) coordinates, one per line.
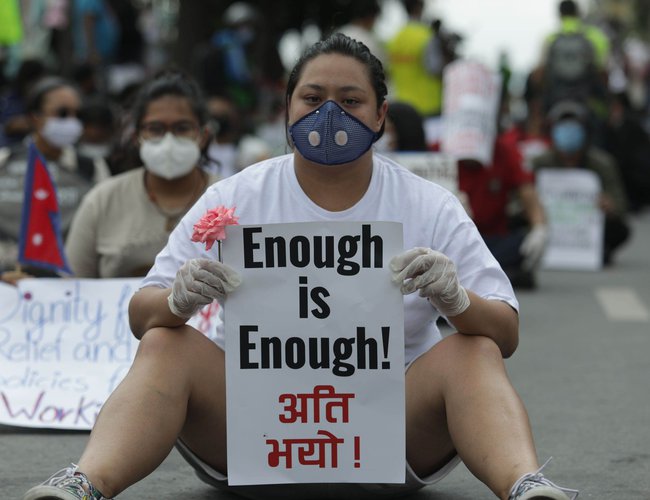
(198, 282)
(149, 308)
(491, 318)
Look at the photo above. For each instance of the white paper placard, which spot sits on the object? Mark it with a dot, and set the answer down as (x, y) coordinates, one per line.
(570, 198)
(65, 344)
(435, 167)
(315, 354)
(470, 107)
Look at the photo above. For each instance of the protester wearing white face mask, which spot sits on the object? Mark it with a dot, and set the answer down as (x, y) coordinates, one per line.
(125, 222)
(53, 106)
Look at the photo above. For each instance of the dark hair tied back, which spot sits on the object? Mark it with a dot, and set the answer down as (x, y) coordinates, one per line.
(338, 43)
(170, 82)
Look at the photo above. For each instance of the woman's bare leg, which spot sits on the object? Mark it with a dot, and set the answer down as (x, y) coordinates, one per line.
(458, 396)
(175, 387)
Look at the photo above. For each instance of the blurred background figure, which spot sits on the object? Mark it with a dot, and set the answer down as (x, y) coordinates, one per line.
(239, 61)
(14, 121)
(231, 148)
(628, 142)
(574, 66)
(96, 32)
(363, 16)
(125, 221)
(99, 131)
(491, 173)
(412, 79)
(53, 106)
(516, 239)
(571, 147)
(223, 150)
(403, 129)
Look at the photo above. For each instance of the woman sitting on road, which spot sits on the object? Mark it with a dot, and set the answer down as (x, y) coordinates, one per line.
(460, 404)
(125, 221)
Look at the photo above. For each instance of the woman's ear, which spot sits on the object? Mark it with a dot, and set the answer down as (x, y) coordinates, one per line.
(206, 136)
(381, 115)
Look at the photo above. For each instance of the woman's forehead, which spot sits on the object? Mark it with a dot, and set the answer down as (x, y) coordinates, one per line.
(61, 95)
(336, 70)
(169, 104)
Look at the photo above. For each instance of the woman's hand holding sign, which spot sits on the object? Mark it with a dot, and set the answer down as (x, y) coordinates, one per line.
(198, 282)
(434, 275)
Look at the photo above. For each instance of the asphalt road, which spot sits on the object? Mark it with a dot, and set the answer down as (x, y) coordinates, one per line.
(582, 369)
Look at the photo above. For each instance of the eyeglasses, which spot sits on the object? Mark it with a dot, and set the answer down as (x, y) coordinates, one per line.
(157, 130)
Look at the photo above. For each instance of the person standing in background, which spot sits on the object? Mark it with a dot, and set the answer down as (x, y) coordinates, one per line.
(363, 15)
(96, 31)
(574, 64)
(414, 81)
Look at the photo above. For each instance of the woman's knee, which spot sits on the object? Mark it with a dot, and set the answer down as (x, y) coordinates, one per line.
(480, 345)
(460, 351)
(171, 342)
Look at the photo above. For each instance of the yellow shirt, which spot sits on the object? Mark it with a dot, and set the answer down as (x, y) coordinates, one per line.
(411, 81)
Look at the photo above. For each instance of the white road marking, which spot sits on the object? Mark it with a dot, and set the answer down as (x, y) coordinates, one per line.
(622, 304)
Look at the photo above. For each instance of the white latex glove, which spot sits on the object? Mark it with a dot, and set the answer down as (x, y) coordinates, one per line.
(434, 275)
(198, 282)
(533, 246)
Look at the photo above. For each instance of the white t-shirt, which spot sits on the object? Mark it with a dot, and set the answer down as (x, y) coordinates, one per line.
(268, 192)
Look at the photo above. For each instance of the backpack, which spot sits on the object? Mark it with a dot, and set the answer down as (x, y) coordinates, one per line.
(570, 67)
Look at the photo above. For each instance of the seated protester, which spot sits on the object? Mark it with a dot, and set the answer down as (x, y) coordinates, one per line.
(52, 105)
(460, 403)
(492, 176)
(489, 190)
(571, 147)
(626, 139)
(124, 222)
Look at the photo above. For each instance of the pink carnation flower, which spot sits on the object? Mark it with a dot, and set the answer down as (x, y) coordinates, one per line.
(212, 226)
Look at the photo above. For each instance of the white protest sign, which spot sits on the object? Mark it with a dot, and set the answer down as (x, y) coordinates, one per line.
(570, 198)
(315, 354)
(435, 167)
(470, 107)
(65, 344)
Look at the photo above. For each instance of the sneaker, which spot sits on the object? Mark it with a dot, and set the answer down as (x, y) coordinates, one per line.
(66, 484)
(534, 486)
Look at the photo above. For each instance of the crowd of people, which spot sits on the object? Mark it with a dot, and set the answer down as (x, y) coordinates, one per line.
(137, 154)
(109, 67)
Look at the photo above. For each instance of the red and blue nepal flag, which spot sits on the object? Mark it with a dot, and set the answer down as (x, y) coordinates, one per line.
(41, 242)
